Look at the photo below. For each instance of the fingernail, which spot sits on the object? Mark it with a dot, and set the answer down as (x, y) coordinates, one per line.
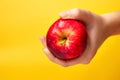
(41, 38)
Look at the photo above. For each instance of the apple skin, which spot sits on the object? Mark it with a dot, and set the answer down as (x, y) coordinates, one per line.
(67, 38)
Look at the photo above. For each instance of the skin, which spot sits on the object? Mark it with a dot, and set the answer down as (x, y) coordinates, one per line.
(98, 27)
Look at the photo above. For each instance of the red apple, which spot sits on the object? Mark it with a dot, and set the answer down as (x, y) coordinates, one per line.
(66, 38)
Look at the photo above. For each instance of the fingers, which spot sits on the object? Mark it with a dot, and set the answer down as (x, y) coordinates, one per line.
(54, 59)
(64, 63)
(78, 14)
(50, 55)
(43, 40)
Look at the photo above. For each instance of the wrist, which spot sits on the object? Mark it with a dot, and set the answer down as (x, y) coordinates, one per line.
(111, 23)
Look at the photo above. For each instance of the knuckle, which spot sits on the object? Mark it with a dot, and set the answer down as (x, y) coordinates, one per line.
(76, 10)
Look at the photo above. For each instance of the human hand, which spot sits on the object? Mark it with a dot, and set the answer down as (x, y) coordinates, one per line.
(96, 36)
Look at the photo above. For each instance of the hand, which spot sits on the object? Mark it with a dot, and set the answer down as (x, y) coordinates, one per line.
(96, 36)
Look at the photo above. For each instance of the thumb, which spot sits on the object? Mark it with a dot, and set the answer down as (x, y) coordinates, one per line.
(78, 14)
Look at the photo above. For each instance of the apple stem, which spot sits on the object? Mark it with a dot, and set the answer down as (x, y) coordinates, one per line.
(63, 41)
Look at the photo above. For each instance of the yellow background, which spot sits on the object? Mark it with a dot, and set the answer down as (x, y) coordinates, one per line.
(21, 55)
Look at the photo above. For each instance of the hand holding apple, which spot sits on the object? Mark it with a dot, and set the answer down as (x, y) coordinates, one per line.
(96, 36)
